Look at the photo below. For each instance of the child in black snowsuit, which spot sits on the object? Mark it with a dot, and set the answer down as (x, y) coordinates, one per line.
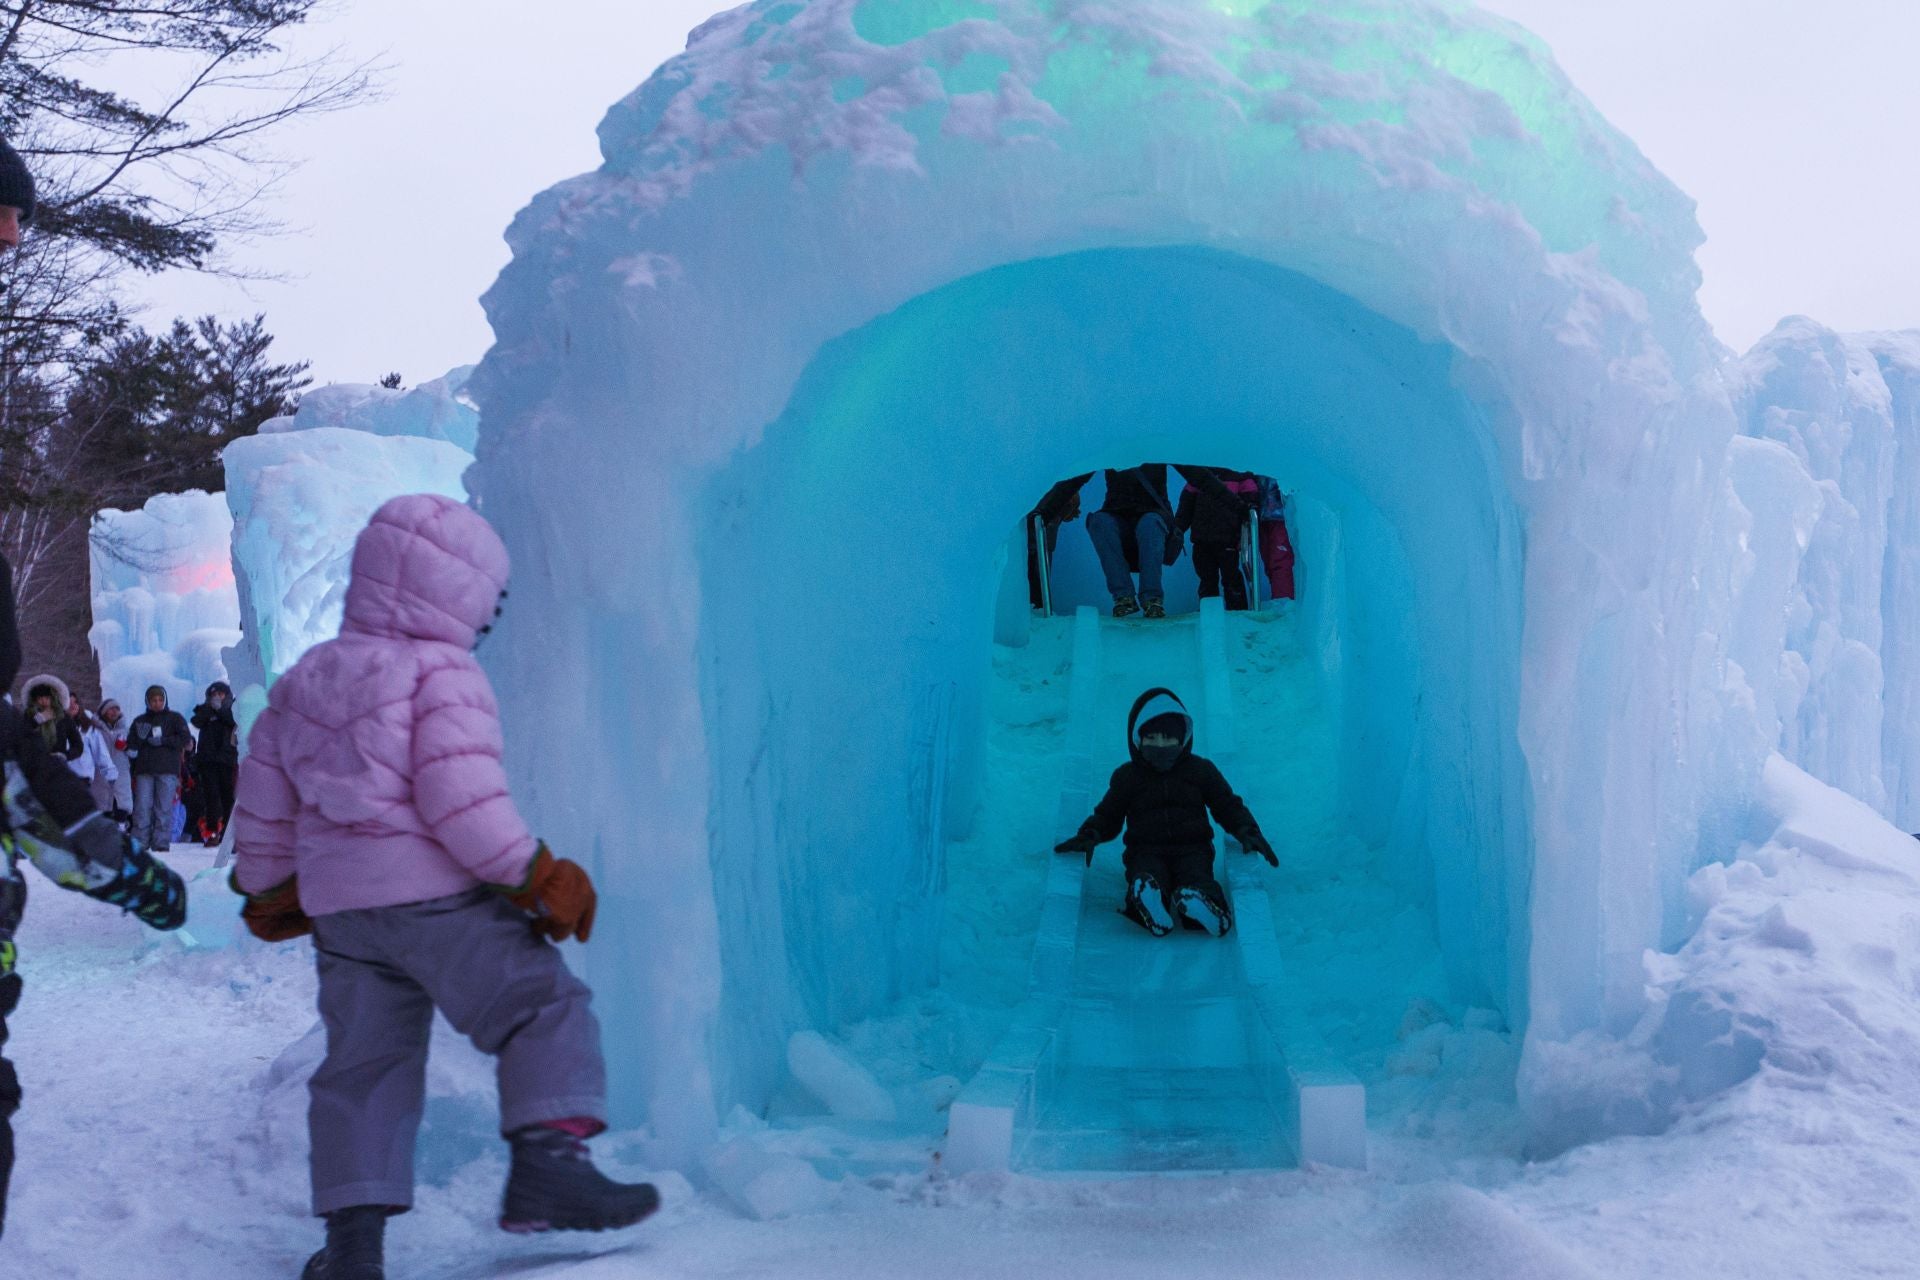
(1163, 796)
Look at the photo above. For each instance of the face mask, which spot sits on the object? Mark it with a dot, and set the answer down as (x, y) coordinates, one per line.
(1162, 753)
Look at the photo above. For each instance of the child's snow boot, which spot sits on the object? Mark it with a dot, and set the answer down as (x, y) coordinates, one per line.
(1147, 907)
(1203, 911)
(553, 1186)
(1154, 609)
(1125, 607)
(356, 1246)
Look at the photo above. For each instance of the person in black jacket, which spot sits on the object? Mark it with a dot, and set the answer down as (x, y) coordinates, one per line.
(47, 817)
(216, 760)
(1215, 521)
(47, 716)
(157, 742)
(1134, 532)
(1162, 797)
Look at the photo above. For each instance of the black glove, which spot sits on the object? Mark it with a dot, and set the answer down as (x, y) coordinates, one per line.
(1254, 842)
(1078, 844)
(1176, 545)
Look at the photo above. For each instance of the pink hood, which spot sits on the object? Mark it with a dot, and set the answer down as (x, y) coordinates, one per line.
(374, 773)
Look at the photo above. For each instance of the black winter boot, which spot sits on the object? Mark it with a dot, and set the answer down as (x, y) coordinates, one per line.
(553, 1186)
(356, 1245)
(1147, 906)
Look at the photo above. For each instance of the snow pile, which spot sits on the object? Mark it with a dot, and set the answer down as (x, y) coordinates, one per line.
(164, 601)
(300, 493)
(1847, 687)
(858, 281)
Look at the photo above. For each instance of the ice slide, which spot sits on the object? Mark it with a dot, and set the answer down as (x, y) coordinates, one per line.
(1134, 1054)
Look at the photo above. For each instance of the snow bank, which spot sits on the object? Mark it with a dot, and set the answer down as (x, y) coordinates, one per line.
(858, 281)
(164, 600)
(300, 494)
(1847, 687)
(1799, 978)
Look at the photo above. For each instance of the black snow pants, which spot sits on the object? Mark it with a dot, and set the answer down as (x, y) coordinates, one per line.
(216, 797)
(9, 1091)
(1218, 565)
(1175, 870)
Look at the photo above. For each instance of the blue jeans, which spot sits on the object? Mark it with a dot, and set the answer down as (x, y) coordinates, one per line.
(153, 797)
(1111, 535)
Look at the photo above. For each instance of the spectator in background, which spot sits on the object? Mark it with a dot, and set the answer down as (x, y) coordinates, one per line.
(46, 711)
(1217, 523)
(158, 741)
(113, 730)
(96, 768)
(215, 760)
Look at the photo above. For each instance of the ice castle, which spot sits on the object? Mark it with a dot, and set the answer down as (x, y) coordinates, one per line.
(859, 279)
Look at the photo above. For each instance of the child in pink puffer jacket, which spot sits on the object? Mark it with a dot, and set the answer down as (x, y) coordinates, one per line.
(373, 812)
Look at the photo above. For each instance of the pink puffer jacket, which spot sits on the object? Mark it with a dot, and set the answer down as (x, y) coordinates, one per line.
(374, 773)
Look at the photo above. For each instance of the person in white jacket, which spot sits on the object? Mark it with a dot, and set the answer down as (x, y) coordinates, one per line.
(113, 730)
(95, 766)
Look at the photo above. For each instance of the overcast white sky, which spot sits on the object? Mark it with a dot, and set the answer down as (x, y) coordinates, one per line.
(1794, 123)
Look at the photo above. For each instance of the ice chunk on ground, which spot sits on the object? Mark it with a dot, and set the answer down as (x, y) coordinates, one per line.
(834, 1076)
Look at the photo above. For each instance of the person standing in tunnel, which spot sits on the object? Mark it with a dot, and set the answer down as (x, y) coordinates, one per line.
(1216, 523)
(1162, 798)
(1276, 545)
(1134, 532)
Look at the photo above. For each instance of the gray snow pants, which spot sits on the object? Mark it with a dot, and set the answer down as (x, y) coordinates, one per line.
(383, 971)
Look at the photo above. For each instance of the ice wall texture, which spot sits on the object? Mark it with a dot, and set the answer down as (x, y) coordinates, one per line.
(1844, 410)
(857, 281)
(301, 491)
(164, 602)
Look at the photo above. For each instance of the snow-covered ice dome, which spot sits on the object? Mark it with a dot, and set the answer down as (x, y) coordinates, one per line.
(859, 279)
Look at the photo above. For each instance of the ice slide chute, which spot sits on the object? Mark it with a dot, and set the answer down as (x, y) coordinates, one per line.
(1133, 1054)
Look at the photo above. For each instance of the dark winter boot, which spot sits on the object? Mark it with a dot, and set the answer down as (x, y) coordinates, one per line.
(1203, 911)
(1125, 607)
(1147, 906)
(356, 1244)
(1154, 609)
(553, 1186)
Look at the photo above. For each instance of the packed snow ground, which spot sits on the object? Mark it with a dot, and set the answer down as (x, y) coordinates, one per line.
(164, 1132)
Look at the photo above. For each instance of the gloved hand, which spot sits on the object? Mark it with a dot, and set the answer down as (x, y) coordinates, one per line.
(1254, 842)
(560, 894)
(146, 886)
(1078, 844)
(1176, 547)
(274, 915)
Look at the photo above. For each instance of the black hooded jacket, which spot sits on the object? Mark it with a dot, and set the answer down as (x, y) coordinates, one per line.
(219, 734)
(1165, 814)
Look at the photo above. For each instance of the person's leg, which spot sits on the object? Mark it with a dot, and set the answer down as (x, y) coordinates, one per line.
(229, 778)
(144, 808)
(508, 990)
(1151, 532)
(1276, 552)
(9, 1091)
(1233, 583)
(1196, 897)
(1207, 565)
(1103, 527)
(367, 1096)
(166, 794)
(1148, 878)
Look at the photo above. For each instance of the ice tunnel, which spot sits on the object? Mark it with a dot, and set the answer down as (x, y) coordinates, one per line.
(858, 281)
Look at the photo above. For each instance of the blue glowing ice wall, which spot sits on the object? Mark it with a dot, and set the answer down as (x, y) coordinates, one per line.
(858, 280)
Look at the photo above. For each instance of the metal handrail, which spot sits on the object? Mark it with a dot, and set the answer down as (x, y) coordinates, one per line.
(1045, 563)
(1251, 559)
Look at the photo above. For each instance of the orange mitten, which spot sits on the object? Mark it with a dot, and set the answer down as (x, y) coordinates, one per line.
(559, 893)
(275, 916)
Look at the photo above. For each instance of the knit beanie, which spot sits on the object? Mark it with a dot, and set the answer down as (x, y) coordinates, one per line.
(16, 184)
